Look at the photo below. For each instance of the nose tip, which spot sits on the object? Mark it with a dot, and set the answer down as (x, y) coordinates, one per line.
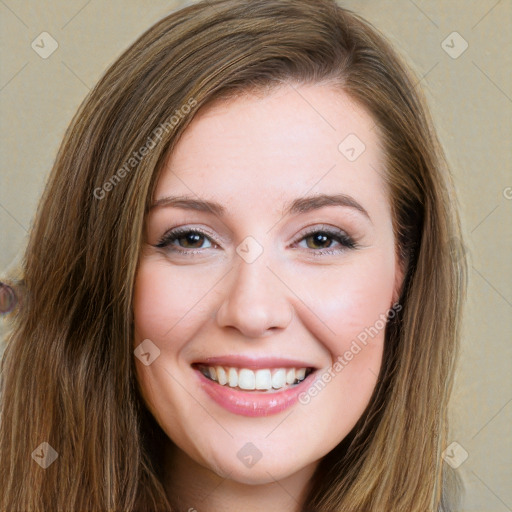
(255, 303)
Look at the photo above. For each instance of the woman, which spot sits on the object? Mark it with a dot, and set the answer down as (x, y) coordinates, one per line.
(241, 288)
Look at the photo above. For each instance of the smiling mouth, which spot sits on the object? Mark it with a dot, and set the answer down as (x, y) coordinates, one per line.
(269, 380)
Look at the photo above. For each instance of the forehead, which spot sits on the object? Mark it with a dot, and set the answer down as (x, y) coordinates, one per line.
(256, 149)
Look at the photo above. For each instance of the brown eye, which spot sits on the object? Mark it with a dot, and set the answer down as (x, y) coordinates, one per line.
(185, 239)
(318, 240)
(192, 240)
(327, 241)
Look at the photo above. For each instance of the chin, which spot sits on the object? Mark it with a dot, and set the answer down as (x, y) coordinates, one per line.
(250, 466)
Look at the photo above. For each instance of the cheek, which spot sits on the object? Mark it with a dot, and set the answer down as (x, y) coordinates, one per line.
(350, 302)
(167, 311)
(351, 306)
(167, 302)
(360, 307)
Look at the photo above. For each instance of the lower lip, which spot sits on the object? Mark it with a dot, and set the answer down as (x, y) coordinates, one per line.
(253, 403)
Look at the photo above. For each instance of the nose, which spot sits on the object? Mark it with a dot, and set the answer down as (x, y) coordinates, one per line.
(255, 301)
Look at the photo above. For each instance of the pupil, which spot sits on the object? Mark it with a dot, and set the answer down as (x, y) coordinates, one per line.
(192, 238)
(320, 239)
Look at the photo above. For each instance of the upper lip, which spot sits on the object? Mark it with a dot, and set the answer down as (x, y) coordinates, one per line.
(253, 362)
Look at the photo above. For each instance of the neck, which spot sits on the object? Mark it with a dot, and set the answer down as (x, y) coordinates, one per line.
(192, 487)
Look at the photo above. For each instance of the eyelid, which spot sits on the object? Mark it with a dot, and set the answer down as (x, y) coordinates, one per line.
(321, 228)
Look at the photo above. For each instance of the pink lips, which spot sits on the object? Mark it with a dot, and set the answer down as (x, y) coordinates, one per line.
(253, 403)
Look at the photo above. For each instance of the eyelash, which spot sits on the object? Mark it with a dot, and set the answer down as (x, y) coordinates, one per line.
(337, 235)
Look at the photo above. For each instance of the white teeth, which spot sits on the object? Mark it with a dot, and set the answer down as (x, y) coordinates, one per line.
(246, 379)
(221, 375)
(263, 379)
(279, 378)
(233, 378)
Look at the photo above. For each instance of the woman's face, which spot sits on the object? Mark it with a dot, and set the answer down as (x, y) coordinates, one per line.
(288, 275)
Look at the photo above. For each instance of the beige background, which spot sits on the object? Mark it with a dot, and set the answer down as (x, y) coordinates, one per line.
(471, 102)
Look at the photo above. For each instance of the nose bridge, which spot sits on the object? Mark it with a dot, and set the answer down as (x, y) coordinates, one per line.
(255, 301)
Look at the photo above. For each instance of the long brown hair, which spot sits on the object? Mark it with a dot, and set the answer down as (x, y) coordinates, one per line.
(68, 374)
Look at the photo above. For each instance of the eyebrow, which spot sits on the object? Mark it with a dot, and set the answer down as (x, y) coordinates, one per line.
(299, 205)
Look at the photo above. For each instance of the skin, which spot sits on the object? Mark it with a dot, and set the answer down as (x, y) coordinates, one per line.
(254, 154)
